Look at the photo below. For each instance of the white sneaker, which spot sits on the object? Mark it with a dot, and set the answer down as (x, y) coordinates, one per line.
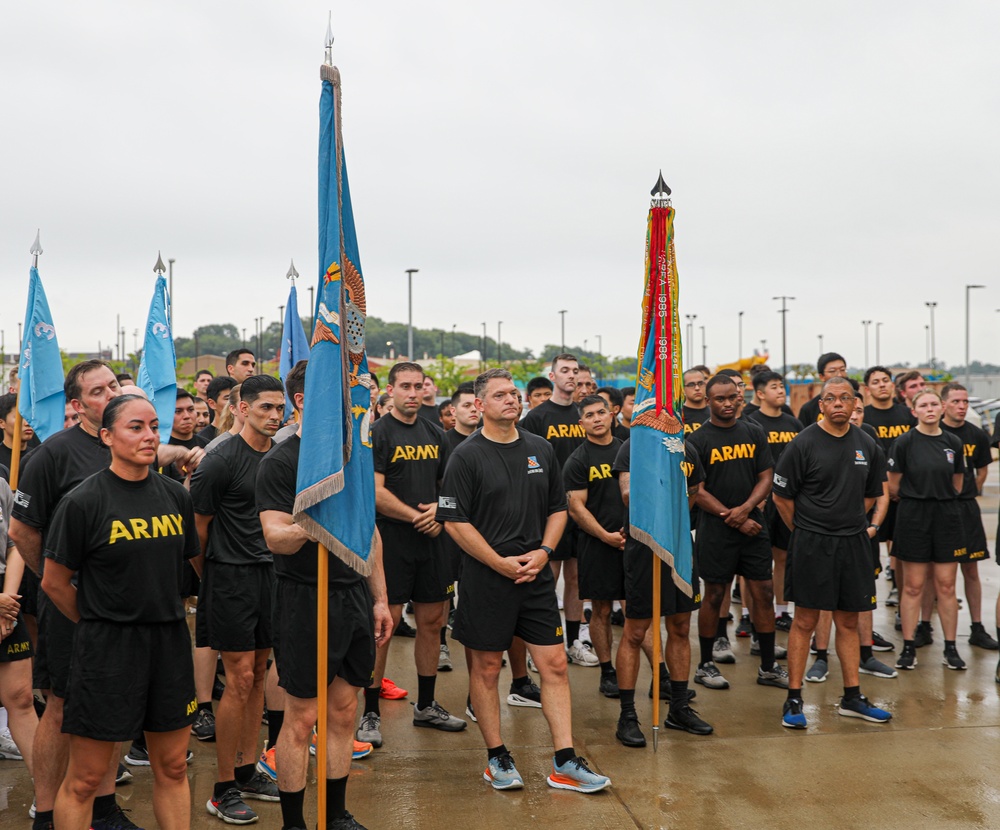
(585, 634)
(582, 655)
(531, 664)
(444, 659)
(8, 749)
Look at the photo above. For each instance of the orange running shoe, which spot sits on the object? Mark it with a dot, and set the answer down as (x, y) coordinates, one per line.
(390, 691)
(268, 765)
(361, 749)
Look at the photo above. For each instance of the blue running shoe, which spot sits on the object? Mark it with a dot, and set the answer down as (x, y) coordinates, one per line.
(792, 715)
(859, 707)
(576, 775)
(502, 774)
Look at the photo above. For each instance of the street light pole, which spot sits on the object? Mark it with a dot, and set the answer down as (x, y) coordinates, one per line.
(739, 340)
(878, 348)
(562, 321)
(704, 348)
(933, 353)
(690, 332)
(784, 329)
(968, 289)
(866, 324)
(482, 354)
(409, 326)
(820, 336)
(499, 357)
(927, 337)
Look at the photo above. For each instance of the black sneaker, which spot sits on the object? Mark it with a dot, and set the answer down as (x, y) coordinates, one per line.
(345, 822)
(952, 661)
(404, 629)
(115, 820)
(123, 776)
(907, 660)
(203, 727)
(587, 614)
(783, 622)
(880, 643)
(260, 787)
(898, 622)
(628, 731)
(743, 629)
(409, 607)
(218, 687)
(618, 618)
(526, 694)
(981, 639)
(609, 684)
(231, 808)
(685, 719)
(737, 598)
(924, 636)
(137, 756)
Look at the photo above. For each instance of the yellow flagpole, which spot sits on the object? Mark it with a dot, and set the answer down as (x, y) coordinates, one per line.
(657, 564)
(15, 453)
(322, 636)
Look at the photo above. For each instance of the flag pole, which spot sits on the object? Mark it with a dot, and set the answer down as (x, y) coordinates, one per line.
(15, 454)
(657, 651)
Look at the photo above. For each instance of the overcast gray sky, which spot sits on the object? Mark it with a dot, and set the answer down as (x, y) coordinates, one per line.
(844, 154)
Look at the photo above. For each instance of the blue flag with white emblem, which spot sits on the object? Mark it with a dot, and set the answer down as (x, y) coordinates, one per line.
(158, 367)
(294, 346)
(335, 493)
(41, 401)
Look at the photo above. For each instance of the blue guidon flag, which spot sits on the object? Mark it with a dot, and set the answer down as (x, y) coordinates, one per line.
(658, 505)
(294, 346)
(41, 401)
(157, 375)
(335, 498)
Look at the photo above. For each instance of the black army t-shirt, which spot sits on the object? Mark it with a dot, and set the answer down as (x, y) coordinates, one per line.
(694, 418)
(7, 453)
(207, 434)
(172, 470)
(976, 449)
(691, 465)
(224, 486)
(506, 491)
(829, 478)
(889, 423)
(452, 438)
(557, 424)
(779, 431)
(277, 475)
(589, 468)
(430, 413)
(127, 540)
(732, 457)
(412, 458)
(927, 463)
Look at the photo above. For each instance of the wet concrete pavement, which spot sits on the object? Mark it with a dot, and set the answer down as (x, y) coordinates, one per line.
(933, 766)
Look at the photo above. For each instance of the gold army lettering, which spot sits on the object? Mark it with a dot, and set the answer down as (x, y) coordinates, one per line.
(169, 524)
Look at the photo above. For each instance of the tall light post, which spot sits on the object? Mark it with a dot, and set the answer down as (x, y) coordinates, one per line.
(453, 325)
(600, 350)
(499, 355)
(409, 325)
(968, 289)
(739, 337)
(820, 336)
(704, 348)
(866, 324)
(562, 325)
(482, 354)
(784, 331)
(927, 337)
(690, 333)
(933, 349)
(878, 344)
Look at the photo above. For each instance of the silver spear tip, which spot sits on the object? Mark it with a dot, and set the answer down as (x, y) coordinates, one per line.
(159, 268)
(328, 46)
(36, 246)
(292, 273)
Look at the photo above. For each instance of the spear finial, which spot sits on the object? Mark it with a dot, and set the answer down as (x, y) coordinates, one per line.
(292, 273)
(660, 192)
(159, 268)
(36, 248)
(329, 40)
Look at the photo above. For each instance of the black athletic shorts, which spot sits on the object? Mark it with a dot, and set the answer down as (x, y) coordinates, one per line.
(55, 648)
(493, 609)
(830, 573)
(16, 645)
(638, 560)
(876, 553)
(234, 608)
(976, 547)
(350, 639)
(29, 589)
(566, 549)
(601, 570)
(723, 552)
(928, 530)
(416, 566)
(777, 530)
(127, 678)
(888, 527)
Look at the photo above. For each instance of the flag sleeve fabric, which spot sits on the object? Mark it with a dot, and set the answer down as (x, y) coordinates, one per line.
(158, 367)
(41, 400)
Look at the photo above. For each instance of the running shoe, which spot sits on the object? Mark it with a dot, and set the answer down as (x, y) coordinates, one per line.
(907, 660)
(876, 668)
(792, 715)
(722, 651)
(582, 654)
(436, 716)
(361, 750)
(585, 635)
(685, 719)
(737, 598)
(775, 676)
(33, 809)
(123, 776)
(137, 756)
(924, 636)
(231, 808)
(780, 652)
(451, 619)
(783, 622)
(893, 599)
(531, 664)
(628, 731)
(880, 643)
(618, 618)
(370, 730)
(818, 671)
(981, 639)
(115, 820)
(390, 691)
(576, 775)
(267, 765)
(444, 659)
(8, 749)
(345, 822)
(259, 787)
(951, 660)
(501, 773)
(859, 707)
(743, 629)
(898, 622)
(527, 694)
(203, 727)
(404, 629)
(470, 712)
(709, 676)
(609, 684)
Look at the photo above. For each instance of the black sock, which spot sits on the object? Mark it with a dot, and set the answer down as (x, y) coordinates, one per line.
(664, 674)
(244, 773)
(998, 633)
(205, 707)
(336, 798)
(444, 635)
(706, 649)
(977, 626)
(721, 629)
(794, 694)
(753, 631)
(626, 697)
(909, 646)
(607, 668)
(371, 700)
(496, 751)
(274, 721)
(572, 631)
(924, 624)
(139, 741)
(949, 645)
(517, 682)
(43, 819)
(866, 653)
(564, 755)
(425, 690)
(822, 654)
(291, 808)
(221, 787)
(766, 643)
(104, 805)
(678, 693)
(851, 691)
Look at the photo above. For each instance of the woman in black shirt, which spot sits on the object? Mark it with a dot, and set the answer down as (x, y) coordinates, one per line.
(926, 472)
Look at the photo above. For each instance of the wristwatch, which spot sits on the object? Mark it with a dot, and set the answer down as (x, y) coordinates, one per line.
(547, 549)
(877, 527)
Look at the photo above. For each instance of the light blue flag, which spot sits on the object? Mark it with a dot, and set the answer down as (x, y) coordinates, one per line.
(294, 346)
(41, 402)
(335, 500)
(158, 367)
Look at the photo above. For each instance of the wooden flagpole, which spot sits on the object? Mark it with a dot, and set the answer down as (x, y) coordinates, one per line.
(15, 453)
(657, 565)
(322, 636)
